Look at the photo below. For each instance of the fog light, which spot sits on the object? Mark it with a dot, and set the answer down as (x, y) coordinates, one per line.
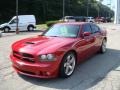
(48, 73)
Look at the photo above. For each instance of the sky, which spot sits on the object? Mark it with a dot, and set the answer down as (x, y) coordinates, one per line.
(112, 2)
(106, 2)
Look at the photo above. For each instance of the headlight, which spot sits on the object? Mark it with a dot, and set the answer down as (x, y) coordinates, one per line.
(50, 56)
(47, 57)
(43, 57)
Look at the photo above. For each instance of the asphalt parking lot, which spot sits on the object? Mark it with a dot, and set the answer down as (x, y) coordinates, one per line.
(101, 72)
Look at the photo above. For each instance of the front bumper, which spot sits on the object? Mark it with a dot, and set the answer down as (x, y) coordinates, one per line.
(1, 28)
(40, 70)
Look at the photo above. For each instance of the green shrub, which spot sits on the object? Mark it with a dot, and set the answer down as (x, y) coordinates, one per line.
(50, 23)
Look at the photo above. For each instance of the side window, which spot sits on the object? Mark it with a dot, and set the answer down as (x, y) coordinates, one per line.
(87, 28)
(95, 28)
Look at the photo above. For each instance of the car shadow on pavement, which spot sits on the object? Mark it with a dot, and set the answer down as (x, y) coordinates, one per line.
(86, 75)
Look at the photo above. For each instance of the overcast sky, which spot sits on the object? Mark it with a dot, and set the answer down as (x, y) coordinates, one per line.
(112, 2)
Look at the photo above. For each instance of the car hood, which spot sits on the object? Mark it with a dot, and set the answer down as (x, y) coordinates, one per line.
(41, 44)
(2, 25)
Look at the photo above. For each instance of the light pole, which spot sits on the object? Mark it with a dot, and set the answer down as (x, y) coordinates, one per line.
(17, 29)
(63, 8)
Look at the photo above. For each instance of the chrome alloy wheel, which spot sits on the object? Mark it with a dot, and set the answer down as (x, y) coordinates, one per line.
(69, 64)
(104, 46)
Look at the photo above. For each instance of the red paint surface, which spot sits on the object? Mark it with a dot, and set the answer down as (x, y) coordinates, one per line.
(35, 46)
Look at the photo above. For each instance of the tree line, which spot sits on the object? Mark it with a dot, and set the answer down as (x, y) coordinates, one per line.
(46, 10)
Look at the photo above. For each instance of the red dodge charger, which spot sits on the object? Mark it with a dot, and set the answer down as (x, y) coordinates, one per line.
(57, 51)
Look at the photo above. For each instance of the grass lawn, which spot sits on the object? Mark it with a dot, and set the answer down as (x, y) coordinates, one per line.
(41, 27)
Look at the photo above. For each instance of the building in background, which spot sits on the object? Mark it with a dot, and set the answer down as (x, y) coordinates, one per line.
(117, 12)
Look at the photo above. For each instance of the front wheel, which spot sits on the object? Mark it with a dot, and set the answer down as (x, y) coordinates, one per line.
(68, 65)
(103, 46)
(6, 29)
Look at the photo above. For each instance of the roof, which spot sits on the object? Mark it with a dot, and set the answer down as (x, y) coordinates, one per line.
(74, 23)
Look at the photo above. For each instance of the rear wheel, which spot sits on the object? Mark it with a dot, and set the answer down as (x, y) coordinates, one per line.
(68, 65)
(103, 46)
(30, 28)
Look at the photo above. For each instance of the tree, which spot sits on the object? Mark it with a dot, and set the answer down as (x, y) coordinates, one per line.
(45, 10)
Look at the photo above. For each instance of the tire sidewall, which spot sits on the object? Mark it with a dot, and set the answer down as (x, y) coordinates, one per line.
(101, 49)
(62, 69)
(6, 29)
(30, 27)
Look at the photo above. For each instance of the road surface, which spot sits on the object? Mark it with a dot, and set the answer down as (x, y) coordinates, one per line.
(101, 72)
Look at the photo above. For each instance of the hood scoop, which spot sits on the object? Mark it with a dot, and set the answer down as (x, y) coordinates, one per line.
(30, 43)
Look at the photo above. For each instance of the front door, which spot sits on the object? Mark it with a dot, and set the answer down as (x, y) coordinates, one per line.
(12, 24)
(86, 44)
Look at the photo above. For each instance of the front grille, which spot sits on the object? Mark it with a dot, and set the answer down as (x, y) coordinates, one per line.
(27, 55)
(26, 72)
(24, 56)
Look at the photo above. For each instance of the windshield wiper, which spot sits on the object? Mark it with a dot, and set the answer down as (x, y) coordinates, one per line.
(54, 36)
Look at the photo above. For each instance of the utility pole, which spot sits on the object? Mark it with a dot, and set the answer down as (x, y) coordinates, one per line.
(63, 8)
(17, 29)
(98, 9)
(87, 8)
(44, 10)
(100, 1)
(109, 5)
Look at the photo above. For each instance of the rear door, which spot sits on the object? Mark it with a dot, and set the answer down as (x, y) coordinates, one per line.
(23, 23)
(97, 35)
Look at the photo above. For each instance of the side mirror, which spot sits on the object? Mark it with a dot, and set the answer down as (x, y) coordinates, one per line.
(86, 34)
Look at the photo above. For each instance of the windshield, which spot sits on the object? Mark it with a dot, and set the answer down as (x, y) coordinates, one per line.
(13, 21)
(59, 30)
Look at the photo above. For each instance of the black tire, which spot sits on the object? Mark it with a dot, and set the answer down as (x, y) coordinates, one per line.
(6, 29)
(63, 66)
(30, 28)
(103, 46)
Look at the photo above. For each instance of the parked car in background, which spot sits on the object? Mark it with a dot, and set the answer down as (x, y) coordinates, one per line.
(57, 51)
(25, 22)
(108, 19)
(80, 18)
(68, 19)
(90, 19)
(103, 19)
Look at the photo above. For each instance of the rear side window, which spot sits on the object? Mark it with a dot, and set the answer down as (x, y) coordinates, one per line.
(87, 28)
(95, 28)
